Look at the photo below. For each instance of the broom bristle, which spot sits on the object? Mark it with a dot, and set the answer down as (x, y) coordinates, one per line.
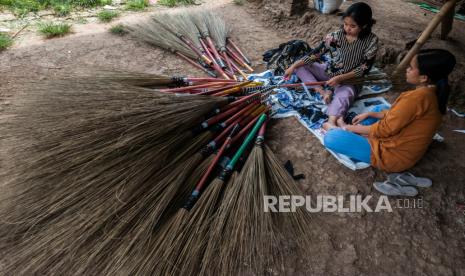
(217, 28)
(295, 226)
(242, 233)
(153, 32)
(111, 148)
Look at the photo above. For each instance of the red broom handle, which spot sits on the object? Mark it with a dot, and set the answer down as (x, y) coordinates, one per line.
(195, 64)
(238, 59)
(243, 118)
(215, 52)
(302, 83)
(243, 111)
(243, 131)
(238, 50)
(218, 89)
(223, 115)
(238, 69)
(215, 161)
(186, 88)
(228, 61)
(208, 79)
(215, 64)
(195, 49)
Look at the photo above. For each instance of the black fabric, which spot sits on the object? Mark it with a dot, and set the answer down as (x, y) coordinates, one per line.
(290, 169)
(285, 55)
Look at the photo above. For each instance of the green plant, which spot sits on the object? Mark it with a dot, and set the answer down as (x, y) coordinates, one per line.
(107, 16)
(51, 29)
(118, 30)
(137, 5)
(62, 9)
(5, 41)
(172, 3)
(238, 2)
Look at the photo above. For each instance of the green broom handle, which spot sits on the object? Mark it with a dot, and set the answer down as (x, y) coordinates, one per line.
(246, 142)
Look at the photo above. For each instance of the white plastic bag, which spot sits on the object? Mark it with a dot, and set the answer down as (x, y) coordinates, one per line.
(327, 6)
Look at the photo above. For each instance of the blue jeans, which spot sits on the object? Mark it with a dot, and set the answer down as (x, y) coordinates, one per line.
(348, 143)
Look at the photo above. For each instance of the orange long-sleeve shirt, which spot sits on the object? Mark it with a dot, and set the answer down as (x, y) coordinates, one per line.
(402, 137)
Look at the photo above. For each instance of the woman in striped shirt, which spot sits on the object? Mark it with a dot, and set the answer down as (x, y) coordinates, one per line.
(345, 54)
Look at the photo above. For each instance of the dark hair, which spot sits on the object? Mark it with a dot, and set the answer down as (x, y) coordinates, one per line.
(362, 14)
(437, 64)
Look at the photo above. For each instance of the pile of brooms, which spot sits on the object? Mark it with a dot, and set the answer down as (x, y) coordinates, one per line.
(199, 37)
(110, 174)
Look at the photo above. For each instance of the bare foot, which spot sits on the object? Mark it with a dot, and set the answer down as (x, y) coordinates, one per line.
(327, 126)
(340, 122)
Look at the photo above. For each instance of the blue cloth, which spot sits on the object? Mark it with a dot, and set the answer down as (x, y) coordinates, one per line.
(348, 143)
(369, 121)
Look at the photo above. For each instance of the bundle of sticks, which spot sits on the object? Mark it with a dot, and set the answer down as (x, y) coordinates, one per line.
(107, 175)
(199, 37)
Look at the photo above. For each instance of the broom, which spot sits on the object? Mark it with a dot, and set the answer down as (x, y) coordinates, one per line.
(185, 30)
(157, 35)
(219, 31)
(184, 255)
(50, 168)
(243, 236)
(142, 241)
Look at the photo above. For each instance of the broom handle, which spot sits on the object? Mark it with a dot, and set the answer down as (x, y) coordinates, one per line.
(244, 145)
(238, 50)
(237, 68)
(238, 59)
(233, 90)
(248, 108)
(195, 64)
(194, 48)
(250, 122)
(215, 52)
(215, 64)
(186, 88)
(302, 83)
(208, 80)
(225, 145)
(228, 62)
(245, 99)
(195, 194)
(218, 89)
(217, 140)
(221, 116)
(425, 35)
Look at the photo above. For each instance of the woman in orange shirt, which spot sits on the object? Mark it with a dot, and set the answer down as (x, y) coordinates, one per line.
(402, 133)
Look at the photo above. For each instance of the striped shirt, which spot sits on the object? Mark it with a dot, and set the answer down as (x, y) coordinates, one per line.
(343, 56)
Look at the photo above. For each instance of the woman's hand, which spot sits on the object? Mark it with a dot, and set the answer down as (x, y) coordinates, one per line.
(334, 81)
(289, 71)
(359, 118)
(327, 96)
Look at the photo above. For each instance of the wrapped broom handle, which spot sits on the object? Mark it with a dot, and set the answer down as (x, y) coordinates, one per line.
(425, 35)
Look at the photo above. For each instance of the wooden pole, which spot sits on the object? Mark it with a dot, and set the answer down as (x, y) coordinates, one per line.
(425, 35)
(447, 22)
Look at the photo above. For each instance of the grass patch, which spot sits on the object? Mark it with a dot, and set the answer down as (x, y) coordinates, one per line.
(62, 9)
(173, 3)
(5, 41)
(107, 16)
(137, 5)
(118, 30)
(238, 2)
(51, 29)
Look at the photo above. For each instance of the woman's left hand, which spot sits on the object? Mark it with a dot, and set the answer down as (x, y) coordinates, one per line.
(334, 81)
(348, 128)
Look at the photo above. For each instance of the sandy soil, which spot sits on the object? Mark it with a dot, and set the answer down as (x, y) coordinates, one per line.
(420, 241)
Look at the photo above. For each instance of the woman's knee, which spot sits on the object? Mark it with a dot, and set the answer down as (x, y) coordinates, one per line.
(332, 137)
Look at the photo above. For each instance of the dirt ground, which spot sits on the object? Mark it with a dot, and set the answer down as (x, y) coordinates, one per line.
(408, 241)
